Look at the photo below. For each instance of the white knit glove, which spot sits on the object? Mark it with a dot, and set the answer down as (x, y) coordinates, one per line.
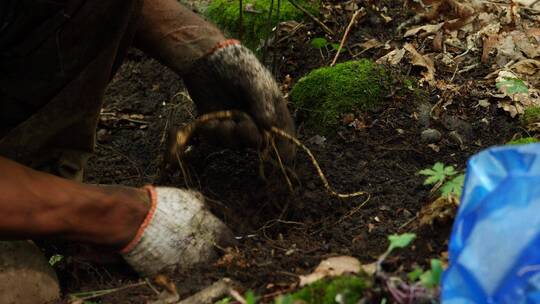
(178, 232)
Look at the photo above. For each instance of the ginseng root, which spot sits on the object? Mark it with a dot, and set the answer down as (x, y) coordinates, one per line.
(184, 135)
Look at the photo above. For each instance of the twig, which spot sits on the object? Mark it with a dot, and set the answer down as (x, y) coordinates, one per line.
(346, 34)
(241, 20)
(211, 293)
(273, 142)
(269, 28)
(87, 295)
(324, 27)
(276, 38)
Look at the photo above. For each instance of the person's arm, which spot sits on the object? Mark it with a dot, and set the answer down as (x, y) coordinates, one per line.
(154, 228)
(219, 74)
(174, 35)
(39, 205)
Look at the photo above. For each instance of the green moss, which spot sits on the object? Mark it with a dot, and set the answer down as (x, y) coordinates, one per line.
(522, 141)
(226, 14)
(350, 288)
(531, 115)
(326, 93)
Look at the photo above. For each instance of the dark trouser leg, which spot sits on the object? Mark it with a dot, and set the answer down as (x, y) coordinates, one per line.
(64, 80)
(60, 135)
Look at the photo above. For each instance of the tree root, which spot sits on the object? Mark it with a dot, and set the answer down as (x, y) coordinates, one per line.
(186, 133)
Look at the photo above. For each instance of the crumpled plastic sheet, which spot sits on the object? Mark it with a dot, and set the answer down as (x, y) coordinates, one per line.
(494, 248)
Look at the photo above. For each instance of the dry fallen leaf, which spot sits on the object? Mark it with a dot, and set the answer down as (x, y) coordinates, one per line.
(370, 44)
(441, 210)
(428, 28)
(423, 61)
(332, 267)
(392, 58)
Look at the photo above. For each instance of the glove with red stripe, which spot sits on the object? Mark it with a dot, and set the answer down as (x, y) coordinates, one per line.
(177, 233)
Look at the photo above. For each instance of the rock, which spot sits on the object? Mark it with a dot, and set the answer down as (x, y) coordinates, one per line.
(453, 123)
(456, 137)
(431, 136)
(424, 113)
(317, 140)
(25, 275)
(102, 135)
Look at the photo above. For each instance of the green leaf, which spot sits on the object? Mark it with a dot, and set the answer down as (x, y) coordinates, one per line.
(400, 240)
(415, 274)
(437, 174)
(287, 299)
(319, 42)
(437, 270)
(453, 187)
(56, 258)
(513, 86)
(250, 297)
(432, 278)
(225, 300)
(335, 46)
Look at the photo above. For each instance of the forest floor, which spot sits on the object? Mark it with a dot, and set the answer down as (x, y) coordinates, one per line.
(282, 235)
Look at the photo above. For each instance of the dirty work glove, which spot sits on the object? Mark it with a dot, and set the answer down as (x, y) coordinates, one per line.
(230, 77)
(178, 232)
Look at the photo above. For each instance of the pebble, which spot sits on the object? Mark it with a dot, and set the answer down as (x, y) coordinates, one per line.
(431, 136)
(456, 138)
(102, 135)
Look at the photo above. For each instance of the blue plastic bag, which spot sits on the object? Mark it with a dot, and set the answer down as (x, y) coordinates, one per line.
(494, 248)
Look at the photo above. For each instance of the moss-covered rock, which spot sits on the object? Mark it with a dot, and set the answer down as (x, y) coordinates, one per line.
(524, 140)
(350, 288)
(255, 23)
(531, 115)
(326, 93)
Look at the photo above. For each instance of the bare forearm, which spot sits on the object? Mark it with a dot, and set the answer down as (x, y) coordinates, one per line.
(174, 35)
(39, 205)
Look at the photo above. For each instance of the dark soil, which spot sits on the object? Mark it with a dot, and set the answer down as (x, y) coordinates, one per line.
(281, 234)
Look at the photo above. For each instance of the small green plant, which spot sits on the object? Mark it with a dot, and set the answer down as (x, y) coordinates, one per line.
(415, 275)
(444, 179)
(321, 44)
(225, 300)
(513, 86)
(284, 299)
(437, 174)
(55, 259)
(430, 278)
(254, 24)
(396, 241)
(346, 289)
(400, 240)
(453, 187)
(523, 141)
(531, 115)
(250, 297)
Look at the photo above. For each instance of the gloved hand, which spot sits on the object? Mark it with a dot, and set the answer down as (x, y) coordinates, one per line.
(219, 74)
(178, 232)
(230, 77)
